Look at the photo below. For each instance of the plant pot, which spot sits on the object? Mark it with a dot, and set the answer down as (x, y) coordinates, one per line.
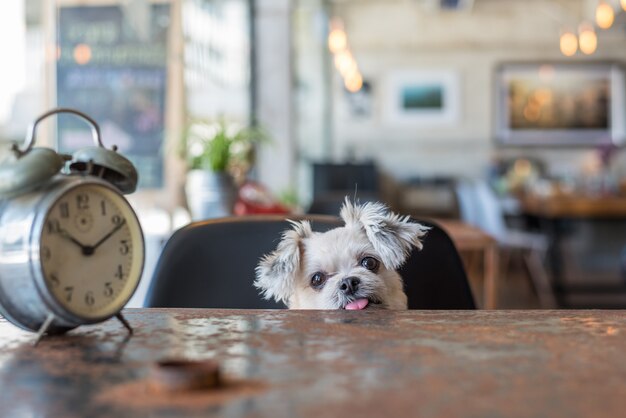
(210, 194)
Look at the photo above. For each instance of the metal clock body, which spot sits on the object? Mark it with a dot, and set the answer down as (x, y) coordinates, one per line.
(75, 252)
(71, 246)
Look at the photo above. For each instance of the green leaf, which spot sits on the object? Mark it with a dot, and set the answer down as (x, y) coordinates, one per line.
(208, 145)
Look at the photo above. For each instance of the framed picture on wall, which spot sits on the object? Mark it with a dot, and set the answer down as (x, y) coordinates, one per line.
(422, 98)
(559, 104)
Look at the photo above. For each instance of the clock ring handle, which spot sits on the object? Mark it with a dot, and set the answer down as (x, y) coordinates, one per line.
(32, 129)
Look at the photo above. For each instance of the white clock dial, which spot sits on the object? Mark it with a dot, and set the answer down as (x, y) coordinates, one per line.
(91, 251)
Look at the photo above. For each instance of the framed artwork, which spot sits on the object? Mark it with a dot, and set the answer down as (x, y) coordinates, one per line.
(559, 104)
(422, 98)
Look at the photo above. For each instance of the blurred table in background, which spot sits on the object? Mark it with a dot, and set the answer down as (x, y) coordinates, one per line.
(574, 206)
(468, 238)
(594, 223)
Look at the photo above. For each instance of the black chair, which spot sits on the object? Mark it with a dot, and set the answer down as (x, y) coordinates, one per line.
(434, 277)
(343, 177)
(211, 264)
(332, 182)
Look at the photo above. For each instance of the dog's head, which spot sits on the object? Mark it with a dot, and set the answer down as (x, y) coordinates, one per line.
(350, 267)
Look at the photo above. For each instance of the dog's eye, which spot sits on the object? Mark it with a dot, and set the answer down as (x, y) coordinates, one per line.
(318, 280)
(370, 263)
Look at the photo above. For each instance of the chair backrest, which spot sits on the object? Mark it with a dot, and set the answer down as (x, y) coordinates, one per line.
(467, 201)
(434, 277)
(479, 206)
(344, 177)
(211, 264)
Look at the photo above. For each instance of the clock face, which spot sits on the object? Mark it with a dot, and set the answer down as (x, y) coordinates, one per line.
(91, 251)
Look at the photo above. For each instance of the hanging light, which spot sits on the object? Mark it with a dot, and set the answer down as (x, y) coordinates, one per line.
(587, 39)
(605, 14)
(354, 82)
(337, 40)
(345, 63)
(623, 3)
(569, 43)
(343, 59)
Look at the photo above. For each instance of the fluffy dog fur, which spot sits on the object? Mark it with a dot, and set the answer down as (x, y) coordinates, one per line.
(350, 267)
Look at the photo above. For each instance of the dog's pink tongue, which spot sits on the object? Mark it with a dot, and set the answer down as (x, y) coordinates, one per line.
(357, 305)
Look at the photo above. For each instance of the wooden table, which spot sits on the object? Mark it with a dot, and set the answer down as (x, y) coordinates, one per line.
(470, 238)
(327, 364)
(574, 206)
(555, 212)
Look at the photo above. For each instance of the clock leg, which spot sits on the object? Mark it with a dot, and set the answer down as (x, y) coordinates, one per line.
(44, 327)
(125, 323)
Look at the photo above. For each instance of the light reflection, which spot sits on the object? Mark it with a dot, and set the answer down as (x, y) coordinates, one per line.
(344, 63)
(568, 44)
(337, 41)
(10, 337)
(587, 39)
(604, 15)
(522, 167)
(82, 54)
(343, 59)
(546, 73)
(354, 82)
(13, 258)
(532, 113)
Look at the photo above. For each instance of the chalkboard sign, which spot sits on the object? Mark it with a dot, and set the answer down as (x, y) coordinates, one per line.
(115, 72)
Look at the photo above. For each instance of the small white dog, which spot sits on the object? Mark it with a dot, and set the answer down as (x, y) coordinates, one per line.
(351, 267)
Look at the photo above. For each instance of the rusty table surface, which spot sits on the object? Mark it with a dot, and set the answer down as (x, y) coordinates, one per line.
(327, 364)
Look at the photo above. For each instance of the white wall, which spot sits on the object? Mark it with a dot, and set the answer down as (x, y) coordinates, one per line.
(390, 35)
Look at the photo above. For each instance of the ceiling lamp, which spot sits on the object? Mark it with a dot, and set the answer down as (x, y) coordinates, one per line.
(623, 2)
(354, 82)
(345, 63)
(587, 39)
(605, 14)
(569, 43)
(337, 40)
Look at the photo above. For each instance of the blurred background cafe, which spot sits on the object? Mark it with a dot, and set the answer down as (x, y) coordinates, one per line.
(503, 116)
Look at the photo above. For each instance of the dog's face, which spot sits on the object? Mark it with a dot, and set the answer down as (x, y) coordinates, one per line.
(350, 267)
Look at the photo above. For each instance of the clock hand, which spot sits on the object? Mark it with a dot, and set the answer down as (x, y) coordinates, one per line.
(67, 236)
(107, 236)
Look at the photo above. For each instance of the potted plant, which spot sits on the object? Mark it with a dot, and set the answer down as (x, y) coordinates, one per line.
(218, 155)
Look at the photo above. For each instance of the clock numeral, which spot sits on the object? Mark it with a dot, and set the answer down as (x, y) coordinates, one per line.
(124, 248)
(82, 201)
(68, 293)
(108, 289)
(117, 220)
(53, 226)
(103, 207)
(89, 299)
(46, 254)
(64, 210)
(54, 280)
(119, 273)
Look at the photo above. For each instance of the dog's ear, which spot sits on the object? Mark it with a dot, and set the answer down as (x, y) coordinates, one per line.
(275, 274)
(391, 235)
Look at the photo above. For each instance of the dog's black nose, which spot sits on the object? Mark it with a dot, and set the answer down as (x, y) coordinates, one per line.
(349, 285)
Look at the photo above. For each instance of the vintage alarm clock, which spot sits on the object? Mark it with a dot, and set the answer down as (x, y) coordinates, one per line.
(71, 246)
